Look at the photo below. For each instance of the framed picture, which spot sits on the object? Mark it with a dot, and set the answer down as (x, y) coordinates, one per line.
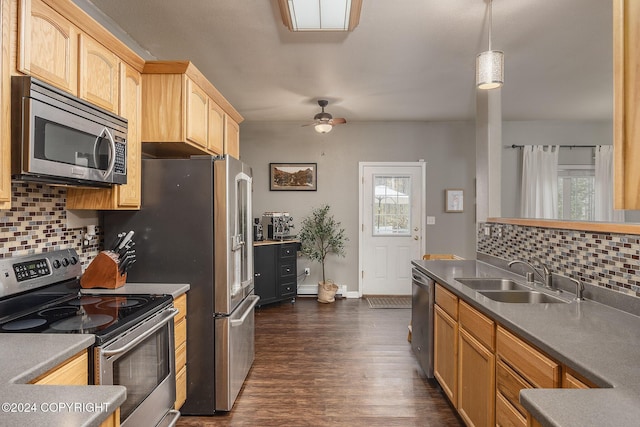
(454, 200)
(293, 176)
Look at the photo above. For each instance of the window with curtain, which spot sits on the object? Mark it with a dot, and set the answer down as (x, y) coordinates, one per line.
(576, 195)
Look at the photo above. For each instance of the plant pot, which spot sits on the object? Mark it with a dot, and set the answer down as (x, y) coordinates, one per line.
(327, 292)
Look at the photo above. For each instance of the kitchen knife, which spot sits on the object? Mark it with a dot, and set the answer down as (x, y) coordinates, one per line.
(117, 242)
(126, 239)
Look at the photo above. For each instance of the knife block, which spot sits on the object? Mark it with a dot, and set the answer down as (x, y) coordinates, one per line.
(103, 273)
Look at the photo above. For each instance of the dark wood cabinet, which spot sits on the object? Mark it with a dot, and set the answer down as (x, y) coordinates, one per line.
(275, 272)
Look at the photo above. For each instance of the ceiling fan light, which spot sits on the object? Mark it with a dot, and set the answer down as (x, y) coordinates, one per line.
(323, 127)
(490, 69)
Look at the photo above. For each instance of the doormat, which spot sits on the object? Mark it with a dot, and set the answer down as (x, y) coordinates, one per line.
(389, 302)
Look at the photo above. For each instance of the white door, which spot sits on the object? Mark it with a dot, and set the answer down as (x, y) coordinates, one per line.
(392, 207)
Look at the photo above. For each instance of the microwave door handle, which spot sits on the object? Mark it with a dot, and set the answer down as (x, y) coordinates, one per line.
(172, 312)
(112, 151)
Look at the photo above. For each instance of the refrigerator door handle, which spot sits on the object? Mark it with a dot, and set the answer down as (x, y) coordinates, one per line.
(240, 321)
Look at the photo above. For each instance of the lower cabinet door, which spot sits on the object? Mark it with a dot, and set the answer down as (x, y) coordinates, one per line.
(476, 385)
(445, 357)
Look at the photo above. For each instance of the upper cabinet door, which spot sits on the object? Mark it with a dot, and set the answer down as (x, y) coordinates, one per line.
(131, 109)
(231, 137)
(47, 46)
(99, 74)
(197, 114)
(216, 128)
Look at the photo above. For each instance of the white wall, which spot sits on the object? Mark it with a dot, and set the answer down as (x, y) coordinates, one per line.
(447, 147)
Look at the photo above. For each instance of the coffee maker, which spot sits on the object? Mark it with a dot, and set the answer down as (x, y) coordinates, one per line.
(257, 230)
(277, 225)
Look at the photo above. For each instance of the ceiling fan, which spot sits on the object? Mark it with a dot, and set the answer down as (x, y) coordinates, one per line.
(324, 122)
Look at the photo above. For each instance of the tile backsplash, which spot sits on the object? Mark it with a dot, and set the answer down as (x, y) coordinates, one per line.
(37, 222)
(604, 259)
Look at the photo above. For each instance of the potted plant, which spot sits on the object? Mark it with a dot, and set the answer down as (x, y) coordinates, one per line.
(321, 235)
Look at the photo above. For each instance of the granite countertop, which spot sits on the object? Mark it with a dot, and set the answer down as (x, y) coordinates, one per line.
(27, 356)
(173, 289)
(597, 341)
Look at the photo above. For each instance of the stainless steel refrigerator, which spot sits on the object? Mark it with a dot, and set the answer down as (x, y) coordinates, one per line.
(195, 227)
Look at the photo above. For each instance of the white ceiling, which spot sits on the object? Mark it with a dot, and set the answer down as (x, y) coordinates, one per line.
(406, 60)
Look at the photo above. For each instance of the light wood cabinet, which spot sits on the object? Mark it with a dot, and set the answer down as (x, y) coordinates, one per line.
(5, 103)
(520, 366)
(571, 379)
(73, 371)
(183, 113)
(626, 111)
(476, 367)
(215, 141)
(126, 196)
(47, 45)
(445, 355)
(180, 328)
(482, 366)
(113, 420)
(231, 137)
(197, 114)
(99, 74)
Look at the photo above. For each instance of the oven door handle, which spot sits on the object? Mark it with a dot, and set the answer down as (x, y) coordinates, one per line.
(240, 321)
(171, 313)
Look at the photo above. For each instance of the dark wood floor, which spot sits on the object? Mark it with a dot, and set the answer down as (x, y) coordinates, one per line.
(340, 364)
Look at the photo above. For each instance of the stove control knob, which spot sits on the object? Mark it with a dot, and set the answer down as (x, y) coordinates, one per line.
(65, 262)
(74, 260)
(56, 263)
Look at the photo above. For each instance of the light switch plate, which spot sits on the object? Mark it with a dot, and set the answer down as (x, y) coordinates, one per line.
(431, 220)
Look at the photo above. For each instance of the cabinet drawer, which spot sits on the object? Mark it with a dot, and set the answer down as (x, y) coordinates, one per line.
(181, 355)
(477, 324)
(447, 301)
(73, 371)
(534, 366)
(181, 387)
(574, 380)
(181, 304)
(288, 289)
(509, 384)
(180, 332)
(287, 270)
(506, 415)
(287, 250)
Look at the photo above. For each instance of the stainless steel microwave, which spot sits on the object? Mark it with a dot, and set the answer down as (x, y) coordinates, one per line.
(58, 138)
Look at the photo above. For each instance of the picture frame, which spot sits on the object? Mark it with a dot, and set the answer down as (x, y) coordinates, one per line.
(293, 176)
(454, 200)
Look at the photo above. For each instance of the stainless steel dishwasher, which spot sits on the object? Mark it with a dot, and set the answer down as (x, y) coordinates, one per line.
(422, 301)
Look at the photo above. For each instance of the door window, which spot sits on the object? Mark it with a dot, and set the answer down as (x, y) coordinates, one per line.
(391, 205)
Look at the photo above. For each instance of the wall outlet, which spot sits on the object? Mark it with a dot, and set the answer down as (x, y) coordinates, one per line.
(307, 271)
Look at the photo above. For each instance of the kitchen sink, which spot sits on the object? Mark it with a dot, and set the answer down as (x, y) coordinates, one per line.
(491, 284)
(522, 297)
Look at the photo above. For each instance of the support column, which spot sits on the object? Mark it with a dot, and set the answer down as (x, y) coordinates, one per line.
(488, 153)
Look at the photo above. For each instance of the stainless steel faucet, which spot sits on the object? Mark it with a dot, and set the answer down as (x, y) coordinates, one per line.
(579, 289)
(545, 275)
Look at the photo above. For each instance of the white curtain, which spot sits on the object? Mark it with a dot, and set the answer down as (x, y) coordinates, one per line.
(604, 186)
(539, 197)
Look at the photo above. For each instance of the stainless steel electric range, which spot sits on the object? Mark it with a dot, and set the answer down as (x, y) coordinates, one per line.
(134, 334)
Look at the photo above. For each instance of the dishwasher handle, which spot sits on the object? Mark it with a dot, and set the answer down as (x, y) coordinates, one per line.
(421, 279)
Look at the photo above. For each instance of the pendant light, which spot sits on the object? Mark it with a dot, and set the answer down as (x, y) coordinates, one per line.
(490, 64)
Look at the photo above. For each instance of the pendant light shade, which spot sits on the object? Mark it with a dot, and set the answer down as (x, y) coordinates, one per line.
(490, 69)
(490, 64)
